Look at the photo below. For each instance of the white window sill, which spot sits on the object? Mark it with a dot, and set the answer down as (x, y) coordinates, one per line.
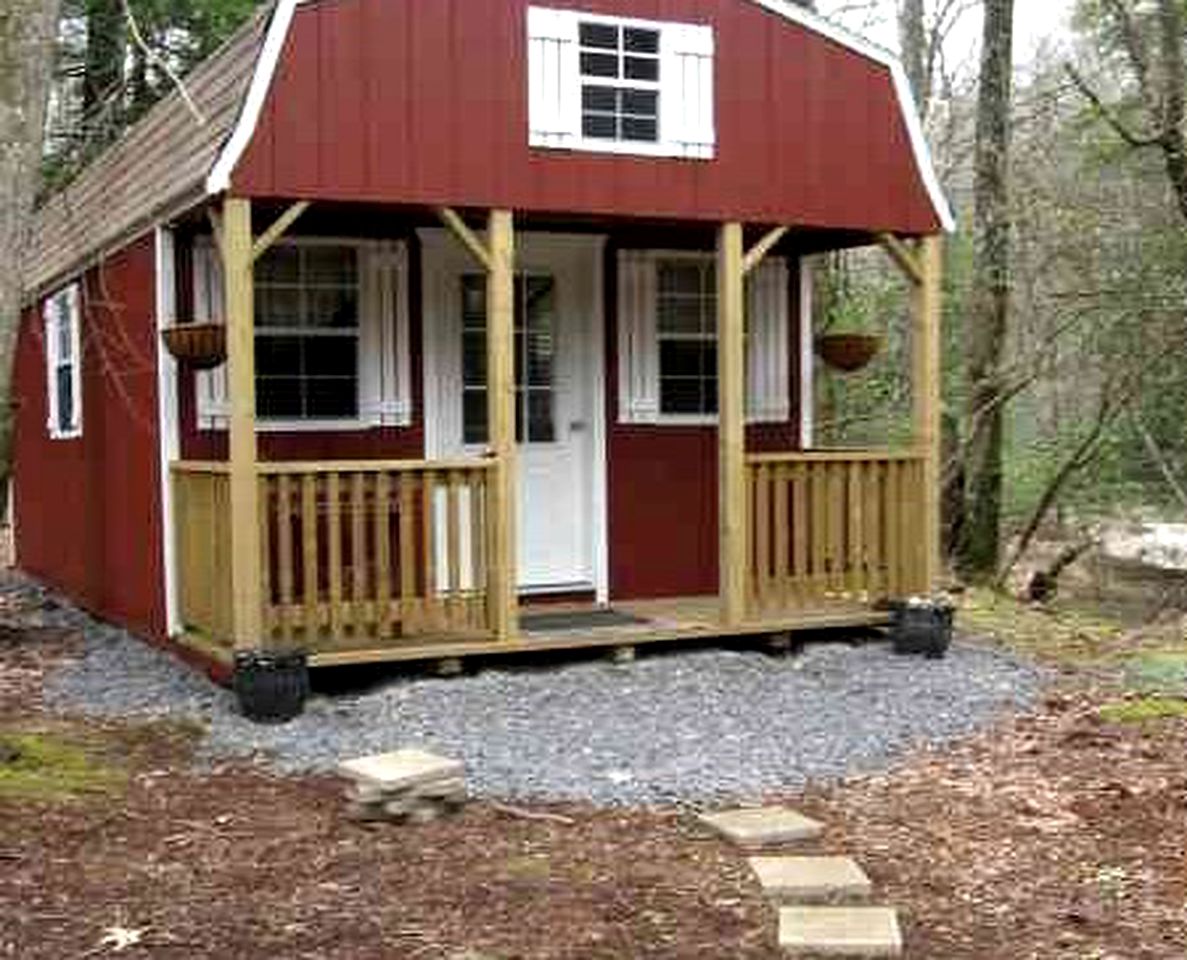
(681, 151)
(65, 435)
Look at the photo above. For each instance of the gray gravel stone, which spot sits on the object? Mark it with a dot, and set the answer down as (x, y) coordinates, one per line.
(702, 727)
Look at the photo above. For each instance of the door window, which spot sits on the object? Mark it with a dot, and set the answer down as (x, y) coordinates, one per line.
(535, 350)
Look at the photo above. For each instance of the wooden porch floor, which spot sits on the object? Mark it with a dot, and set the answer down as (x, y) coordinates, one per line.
(661, 621)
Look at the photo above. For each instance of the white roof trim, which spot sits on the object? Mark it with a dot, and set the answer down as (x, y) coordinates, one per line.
(219, 179)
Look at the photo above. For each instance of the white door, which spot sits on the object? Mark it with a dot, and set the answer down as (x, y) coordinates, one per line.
(558, 349)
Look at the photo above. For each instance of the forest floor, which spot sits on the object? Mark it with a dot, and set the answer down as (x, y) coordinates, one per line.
(1056, 834)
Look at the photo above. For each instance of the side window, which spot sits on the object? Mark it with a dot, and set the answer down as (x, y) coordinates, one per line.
(63, 353)
(609, 84)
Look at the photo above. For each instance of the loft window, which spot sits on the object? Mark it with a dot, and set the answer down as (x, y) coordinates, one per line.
(63, 354)
(307, 333)
(620, 90)
(620, 85)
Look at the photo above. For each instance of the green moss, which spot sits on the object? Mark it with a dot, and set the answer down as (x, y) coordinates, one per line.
(1064, 634)
(1144, 710)
(1158, 671)
(46, 767)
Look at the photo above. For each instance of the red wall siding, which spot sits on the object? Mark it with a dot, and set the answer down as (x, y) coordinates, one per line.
(88, 509)
(425, 101)
(662, 483)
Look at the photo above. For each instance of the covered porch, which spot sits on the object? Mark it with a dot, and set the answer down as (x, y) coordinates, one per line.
(373, 560)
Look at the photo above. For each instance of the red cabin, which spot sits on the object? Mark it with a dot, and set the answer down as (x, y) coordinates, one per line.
(436, 328)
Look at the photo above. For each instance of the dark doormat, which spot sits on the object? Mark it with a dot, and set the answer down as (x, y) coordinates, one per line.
(577, 620)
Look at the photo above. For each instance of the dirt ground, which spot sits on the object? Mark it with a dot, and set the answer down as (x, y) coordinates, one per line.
(1056, 835)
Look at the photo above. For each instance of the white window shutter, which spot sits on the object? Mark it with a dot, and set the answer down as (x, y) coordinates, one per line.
(384, 394)
(50, 327)
(768, 360)
(686, 100)
(638, 350)
(554, 78)
(213, 402)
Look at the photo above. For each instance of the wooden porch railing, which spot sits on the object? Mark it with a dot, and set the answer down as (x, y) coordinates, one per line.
(351, 553)
(833, 525)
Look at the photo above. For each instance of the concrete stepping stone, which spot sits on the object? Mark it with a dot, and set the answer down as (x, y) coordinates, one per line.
(763, 826)
(401, 769)
(811, 879)
(840, 932)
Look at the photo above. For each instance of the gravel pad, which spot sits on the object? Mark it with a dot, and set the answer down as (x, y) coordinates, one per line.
(677, 726)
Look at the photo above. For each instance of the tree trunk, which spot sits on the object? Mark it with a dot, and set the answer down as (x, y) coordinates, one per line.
(913, 41)
(989, 308)
(1174, 139)
(27, 32)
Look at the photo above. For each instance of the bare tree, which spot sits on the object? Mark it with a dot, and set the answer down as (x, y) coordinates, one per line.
(27, 31)
(1161, 83)
(987, 328)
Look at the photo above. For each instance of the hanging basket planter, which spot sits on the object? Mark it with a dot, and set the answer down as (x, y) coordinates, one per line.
(201, 346)
(848, 352)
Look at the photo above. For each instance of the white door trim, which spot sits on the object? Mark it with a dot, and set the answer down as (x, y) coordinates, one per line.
(168, 439)
(440, 251)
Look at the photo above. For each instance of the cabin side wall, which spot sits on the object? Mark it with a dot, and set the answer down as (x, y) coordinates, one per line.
(87, 509)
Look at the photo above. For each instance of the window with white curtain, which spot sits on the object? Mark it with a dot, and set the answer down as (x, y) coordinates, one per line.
(63, 357)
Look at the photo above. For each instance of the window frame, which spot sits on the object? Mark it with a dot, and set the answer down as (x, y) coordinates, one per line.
(666, 144)
(65, 303)
(385, 369)
(638, 344)
(620, 83)
(703, 262)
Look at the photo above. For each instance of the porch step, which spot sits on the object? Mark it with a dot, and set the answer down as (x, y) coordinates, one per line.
(763, 826)
(811, 879)
(840, 932)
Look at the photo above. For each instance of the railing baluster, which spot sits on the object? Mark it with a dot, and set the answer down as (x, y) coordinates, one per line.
(762, 514)
(358, 554)
(309, 571)
(284, 540)
(453, 549)
(383, 555)
(799, 531)
(408, 601)
(267, 614)
(334, 553)
(428, 515)
(477, 613)
(853, 527)
(782, 493)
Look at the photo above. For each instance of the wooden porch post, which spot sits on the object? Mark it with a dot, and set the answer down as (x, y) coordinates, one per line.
(926, 302)
(731, 424)
(500, 365)
(246, 581)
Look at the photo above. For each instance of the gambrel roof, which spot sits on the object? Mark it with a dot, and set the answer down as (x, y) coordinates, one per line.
(169, 161)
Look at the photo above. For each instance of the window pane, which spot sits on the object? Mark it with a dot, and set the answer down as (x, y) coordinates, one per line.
(278, 307)
(600, 126)
(474, 358)
(603, 35)
(65, 387)
(682, 358)
(680, 395)
(634, 128)
(599, 64)
(331, 397)
(641, 68)
(332, 308)
(331, 357)
(280, 264)
(331, 265)
(278, 356)
(680, 277)
(474, 300)
(641, 41)
(540, 423)
(640, 103)
(474, 416)
(278, 397)
(603, 99)
(680, 314)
